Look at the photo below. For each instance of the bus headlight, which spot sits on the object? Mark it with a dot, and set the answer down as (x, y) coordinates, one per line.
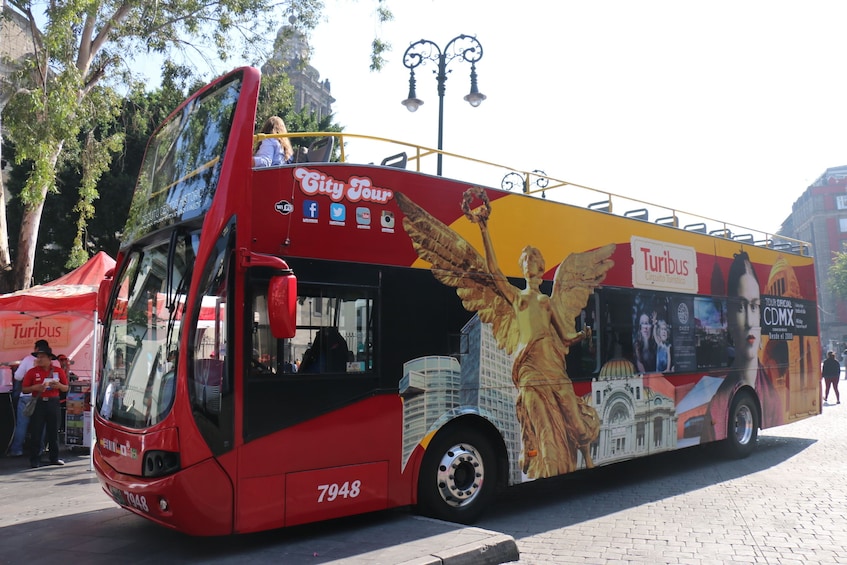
(160, 463)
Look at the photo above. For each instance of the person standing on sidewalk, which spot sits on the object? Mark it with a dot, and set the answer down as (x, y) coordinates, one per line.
(21, 419)
(46, 381)
(831, 372)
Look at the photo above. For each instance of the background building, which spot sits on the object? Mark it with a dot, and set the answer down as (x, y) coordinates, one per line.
(16, 42)
(819, 216)
(290, 57)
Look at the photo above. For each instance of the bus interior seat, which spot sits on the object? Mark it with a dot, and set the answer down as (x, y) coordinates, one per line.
(208, 371)
(743, 237)
(672, 221)
(328, 354)
(601, 206)
(398, 160)
(638, 214)
(699, 227)
(764, 243)
(208, 376)
(301, 155)
(722, 232)
(320, 151)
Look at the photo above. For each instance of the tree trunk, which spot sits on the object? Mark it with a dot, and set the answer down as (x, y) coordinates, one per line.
(5, 258)
(28, 236)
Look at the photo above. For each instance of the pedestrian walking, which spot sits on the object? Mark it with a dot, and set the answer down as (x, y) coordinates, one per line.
(831, 372)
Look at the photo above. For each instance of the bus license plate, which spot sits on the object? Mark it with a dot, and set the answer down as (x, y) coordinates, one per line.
(118, 495)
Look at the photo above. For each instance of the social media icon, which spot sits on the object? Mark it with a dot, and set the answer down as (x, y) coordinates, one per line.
(310, 209)
(363, 216)
(387, 219)
(284, 207)
(337, 212)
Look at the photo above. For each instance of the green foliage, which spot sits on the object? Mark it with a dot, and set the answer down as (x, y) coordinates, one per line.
(61, 235)
(378, 47)
(276, 98)
(838, 274)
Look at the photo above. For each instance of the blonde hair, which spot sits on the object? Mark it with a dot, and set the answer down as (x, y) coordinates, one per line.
(274, 124)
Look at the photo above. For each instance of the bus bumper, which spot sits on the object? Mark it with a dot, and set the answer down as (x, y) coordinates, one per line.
(197, 501)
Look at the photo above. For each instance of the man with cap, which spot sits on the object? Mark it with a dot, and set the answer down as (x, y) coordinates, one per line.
(21, 419)
(47, 382)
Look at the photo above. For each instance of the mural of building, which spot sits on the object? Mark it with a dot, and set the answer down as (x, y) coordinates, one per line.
(787, 359)
(487, 385)
(310, 91)
(820, 217)
(637, 413)
(435, 389)
(430, 391)
(691, 411)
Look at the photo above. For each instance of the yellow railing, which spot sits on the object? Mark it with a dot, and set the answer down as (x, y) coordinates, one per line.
(361, 148)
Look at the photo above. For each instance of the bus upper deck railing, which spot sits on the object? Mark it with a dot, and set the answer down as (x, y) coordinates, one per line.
(355, 148)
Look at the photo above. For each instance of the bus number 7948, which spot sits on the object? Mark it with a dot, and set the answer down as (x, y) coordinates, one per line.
(330, 492)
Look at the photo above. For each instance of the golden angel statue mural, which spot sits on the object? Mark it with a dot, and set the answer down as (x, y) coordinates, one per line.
(555, 423)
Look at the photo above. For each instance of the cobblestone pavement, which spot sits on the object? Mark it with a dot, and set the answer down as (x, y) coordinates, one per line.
(785, 504)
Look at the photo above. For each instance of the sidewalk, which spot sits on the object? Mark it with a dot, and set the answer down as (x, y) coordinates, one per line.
(54, 514)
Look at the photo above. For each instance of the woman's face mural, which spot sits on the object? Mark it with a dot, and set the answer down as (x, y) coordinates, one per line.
(744, 319)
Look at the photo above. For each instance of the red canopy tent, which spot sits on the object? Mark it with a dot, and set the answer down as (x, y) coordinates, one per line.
(74, 291)
(62, 311)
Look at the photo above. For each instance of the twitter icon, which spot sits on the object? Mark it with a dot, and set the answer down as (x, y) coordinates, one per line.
(337, 212)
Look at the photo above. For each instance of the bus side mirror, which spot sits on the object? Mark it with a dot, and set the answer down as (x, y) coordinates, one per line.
(103, 292)
(282, 306)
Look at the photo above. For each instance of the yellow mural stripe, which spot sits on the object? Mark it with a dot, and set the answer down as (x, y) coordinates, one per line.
(558, 230)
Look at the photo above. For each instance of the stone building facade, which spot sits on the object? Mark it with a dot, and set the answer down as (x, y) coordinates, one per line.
(819, 216)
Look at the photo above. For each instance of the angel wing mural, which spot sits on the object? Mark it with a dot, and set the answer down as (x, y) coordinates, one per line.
(539, 329)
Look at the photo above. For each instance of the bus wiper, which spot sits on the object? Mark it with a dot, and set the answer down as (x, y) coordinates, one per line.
(173, 304)
(169, 279)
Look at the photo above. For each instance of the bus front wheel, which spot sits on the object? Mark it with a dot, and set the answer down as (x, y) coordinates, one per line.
(458, 476)
(742, 427)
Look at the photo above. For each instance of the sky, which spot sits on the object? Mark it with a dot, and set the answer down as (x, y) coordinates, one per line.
(729, 109)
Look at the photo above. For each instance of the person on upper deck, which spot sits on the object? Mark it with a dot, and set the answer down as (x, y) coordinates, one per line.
(273, 151)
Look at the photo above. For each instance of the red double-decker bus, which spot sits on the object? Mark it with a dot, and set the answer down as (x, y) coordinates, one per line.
(330, 337)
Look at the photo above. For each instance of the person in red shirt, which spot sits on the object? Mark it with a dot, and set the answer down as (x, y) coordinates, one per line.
(46, 382)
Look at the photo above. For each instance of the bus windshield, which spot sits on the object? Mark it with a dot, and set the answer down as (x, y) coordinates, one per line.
(182, 164)
(137, 385)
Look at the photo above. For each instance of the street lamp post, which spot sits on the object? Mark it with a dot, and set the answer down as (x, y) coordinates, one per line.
(463, 46)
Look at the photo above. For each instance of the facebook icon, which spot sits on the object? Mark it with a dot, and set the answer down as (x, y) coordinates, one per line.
(310, 209)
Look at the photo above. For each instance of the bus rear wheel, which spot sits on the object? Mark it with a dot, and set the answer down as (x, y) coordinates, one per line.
(743, 427)
(458, 476)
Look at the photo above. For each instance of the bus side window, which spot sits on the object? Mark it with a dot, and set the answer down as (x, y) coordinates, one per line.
(334, 330)
(328, 353)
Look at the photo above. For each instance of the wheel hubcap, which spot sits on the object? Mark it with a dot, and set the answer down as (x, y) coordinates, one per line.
(460, 475)
(743, 425)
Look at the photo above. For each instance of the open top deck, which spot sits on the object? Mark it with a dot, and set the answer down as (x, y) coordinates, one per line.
(354, 148)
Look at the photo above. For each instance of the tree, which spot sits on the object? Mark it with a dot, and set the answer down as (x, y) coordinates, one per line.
(64, 88)
(140, 113)
(838, 274)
